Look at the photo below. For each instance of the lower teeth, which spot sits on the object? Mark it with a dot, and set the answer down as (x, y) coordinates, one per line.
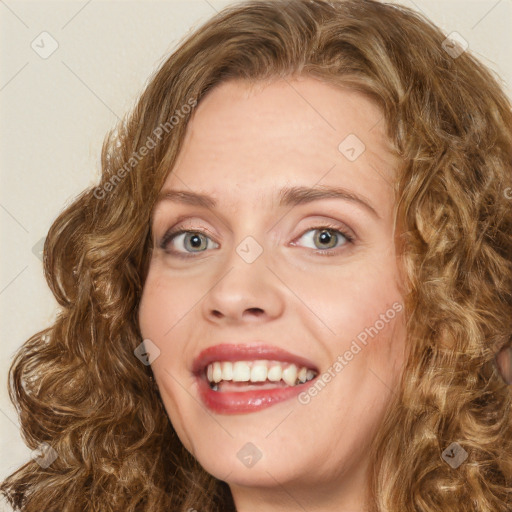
(215, 386)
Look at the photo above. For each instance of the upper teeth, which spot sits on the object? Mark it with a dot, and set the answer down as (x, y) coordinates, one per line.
(258, 371)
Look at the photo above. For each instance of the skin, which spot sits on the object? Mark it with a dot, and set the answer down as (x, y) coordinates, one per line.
(504, 361)
(243, 144)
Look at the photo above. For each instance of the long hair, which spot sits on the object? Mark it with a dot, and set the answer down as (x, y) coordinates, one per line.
(80, 390)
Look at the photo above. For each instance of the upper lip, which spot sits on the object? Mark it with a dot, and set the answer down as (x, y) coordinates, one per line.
(247, 352)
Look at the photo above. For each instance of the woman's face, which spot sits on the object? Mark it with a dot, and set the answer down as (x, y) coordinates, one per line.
(275, 275)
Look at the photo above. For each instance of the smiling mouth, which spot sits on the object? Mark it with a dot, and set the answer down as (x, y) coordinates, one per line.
(249, 377)
(240, 376)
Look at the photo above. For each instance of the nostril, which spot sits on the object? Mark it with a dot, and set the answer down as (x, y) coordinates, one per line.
(257, 311)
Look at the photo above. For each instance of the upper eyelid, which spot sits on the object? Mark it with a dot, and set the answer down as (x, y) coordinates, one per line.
(186, 219)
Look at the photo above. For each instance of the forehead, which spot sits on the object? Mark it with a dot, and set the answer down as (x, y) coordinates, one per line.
(247, 140)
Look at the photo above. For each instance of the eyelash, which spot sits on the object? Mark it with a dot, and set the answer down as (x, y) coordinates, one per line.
(170, 235)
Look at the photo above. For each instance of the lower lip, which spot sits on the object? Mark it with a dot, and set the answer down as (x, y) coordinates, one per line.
(237, 402)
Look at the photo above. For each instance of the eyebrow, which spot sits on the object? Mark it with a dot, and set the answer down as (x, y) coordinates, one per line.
(288, 196)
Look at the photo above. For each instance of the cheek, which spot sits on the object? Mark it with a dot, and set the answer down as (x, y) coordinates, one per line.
(164, 302)
(352, 298)
(161, 308)
(166, 310)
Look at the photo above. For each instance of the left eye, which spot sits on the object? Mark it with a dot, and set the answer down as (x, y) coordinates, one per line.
(326, 238)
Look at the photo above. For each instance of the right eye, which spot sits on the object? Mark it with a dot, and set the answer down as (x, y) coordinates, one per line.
(191, 241)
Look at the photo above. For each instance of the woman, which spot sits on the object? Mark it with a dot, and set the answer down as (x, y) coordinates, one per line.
(257, 374)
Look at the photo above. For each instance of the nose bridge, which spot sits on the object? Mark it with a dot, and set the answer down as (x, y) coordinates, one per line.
(250, 235)
(247, 261)
(250, 249)
(254, 234)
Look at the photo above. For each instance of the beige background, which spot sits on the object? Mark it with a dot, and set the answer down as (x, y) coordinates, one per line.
(56, 110)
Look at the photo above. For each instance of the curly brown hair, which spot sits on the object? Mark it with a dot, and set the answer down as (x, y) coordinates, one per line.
(78, 386)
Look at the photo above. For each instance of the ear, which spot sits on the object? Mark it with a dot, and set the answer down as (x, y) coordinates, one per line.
(504, 364)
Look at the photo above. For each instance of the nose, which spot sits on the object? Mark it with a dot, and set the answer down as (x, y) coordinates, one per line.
(244, 293)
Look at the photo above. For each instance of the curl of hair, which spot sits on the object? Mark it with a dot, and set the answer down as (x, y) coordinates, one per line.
(78, 386)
